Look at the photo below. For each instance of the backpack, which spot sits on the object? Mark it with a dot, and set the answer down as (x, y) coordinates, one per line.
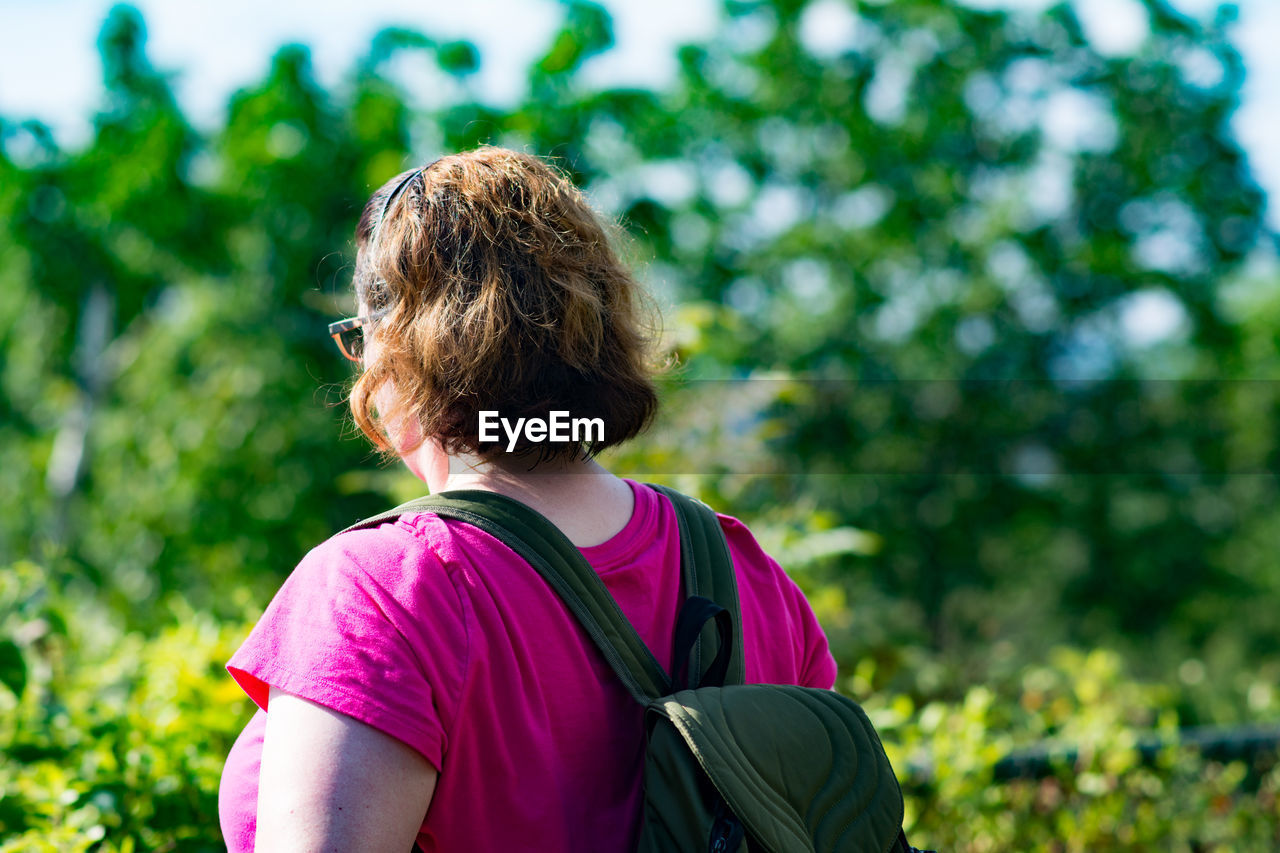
(728, 766)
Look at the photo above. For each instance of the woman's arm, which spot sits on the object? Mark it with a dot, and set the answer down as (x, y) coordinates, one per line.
(330, 782)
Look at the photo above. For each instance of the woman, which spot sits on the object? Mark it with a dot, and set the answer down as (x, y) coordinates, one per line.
(418, 682)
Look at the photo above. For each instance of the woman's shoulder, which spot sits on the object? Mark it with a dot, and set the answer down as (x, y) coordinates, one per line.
(739, 535)
(785, 642)
(400, 559)
(362, 607)
(415, 539)
(755, 567)
(752, 563)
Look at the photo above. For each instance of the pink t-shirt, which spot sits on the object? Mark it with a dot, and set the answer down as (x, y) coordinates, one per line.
(439, 635)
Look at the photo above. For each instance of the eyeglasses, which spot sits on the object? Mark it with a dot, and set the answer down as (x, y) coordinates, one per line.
(348, 334)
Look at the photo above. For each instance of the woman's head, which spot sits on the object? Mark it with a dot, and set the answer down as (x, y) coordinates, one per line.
(503, 294)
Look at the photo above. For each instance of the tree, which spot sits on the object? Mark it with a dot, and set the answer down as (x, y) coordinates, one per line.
(936, 228)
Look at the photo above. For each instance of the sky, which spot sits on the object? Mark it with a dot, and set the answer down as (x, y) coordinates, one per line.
(49, 64)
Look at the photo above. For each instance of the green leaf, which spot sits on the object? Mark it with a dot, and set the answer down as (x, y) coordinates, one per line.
(13, 669)
(459, 58)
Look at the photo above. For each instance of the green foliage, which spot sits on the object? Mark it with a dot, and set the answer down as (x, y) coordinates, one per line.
(117, 741)
(1104, 795)
(900, 276)
(13, 669)
(587, 30)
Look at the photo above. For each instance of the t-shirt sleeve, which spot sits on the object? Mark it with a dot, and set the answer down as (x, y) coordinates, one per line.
(792, 644)
(816, 664)
(819, 666)
(368, 625)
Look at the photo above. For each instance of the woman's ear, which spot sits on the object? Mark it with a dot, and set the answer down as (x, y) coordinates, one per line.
(407, 437)
(403, 428)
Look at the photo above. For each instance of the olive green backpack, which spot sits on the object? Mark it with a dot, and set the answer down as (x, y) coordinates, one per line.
(728, 766)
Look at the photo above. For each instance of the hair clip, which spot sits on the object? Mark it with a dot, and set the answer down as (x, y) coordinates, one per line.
(394, 193)
(400, 186)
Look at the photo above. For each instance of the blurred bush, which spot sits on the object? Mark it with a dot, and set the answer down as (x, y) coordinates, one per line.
(975, 324)
(111, 740)
(1098, 790)
(114, 741)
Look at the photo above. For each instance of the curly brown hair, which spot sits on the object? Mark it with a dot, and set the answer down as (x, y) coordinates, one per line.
(503, 292)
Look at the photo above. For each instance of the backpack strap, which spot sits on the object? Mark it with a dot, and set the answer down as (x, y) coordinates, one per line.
(695, 614)
(561, 564)
(707, 571)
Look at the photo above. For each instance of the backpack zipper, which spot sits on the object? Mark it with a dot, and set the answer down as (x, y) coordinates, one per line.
(727, 831)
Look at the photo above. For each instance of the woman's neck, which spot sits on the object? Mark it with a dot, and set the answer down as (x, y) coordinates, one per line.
(588, 504)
